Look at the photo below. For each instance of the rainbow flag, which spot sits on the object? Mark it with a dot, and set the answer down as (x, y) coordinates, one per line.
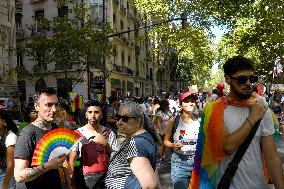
(209, 149)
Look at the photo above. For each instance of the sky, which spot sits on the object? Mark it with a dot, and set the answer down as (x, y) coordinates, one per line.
(217, 31)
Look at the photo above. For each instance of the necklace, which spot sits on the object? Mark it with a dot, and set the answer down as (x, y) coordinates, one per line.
(42, 125)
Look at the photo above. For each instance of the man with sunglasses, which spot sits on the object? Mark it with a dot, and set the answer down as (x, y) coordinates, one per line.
(228, 122)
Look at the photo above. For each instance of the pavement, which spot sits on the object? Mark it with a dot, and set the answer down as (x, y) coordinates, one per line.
(164, 169)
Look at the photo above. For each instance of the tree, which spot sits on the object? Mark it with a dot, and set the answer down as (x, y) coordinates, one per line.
(191, 43)
(257, 33)
(69, 40)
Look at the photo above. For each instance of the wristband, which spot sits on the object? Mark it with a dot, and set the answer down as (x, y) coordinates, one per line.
(249, 122)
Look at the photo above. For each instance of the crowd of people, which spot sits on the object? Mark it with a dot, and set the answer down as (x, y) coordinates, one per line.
(125, 139)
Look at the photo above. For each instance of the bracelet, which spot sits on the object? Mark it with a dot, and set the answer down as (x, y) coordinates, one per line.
(249, 122)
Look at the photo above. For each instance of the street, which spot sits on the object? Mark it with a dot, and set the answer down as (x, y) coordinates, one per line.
(165, 169)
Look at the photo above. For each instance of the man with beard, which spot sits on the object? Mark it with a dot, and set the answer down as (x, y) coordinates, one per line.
(90, 130)
(225, 125)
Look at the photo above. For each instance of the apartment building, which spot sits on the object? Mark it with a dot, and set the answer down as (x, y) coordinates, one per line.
(8, 78)
(128, 66)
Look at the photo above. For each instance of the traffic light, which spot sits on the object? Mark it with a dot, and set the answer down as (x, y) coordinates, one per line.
(183, 17)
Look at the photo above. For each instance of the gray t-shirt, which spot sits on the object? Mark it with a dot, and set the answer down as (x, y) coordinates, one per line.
(24, 149)
(250, 171)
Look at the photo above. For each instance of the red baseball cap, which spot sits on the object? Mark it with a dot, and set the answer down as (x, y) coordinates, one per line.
(186, 94)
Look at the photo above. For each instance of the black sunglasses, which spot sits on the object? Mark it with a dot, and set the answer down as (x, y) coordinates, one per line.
(123, 118)
(244, 79)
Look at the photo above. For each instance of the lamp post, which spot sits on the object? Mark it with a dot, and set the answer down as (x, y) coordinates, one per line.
(104, 59)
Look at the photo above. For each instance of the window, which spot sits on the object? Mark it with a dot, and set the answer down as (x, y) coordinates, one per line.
(129, 60)
(19, 58)
(18, 20)
(114, 18)
(63, 11)
(128, 34)
(39, 14)
(122, 58)
(121, 26)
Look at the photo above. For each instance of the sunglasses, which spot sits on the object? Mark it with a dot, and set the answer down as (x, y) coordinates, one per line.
(244, 79)
(123, 118)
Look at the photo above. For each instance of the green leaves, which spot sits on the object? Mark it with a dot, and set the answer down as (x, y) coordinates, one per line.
(69, 40)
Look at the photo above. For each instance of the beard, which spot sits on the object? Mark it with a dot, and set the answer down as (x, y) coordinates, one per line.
(244, 95)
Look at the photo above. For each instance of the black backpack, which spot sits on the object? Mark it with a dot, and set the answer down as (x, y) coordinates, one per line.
(2, 152)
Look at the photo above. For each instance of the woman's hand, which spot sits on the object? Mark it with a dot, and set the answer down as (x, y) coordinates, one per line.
(177, 145)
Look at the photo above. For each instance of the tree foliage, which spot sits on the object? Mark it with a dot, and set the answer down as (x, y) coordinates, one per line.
(68, 40)
(192, 45)
(257, 33)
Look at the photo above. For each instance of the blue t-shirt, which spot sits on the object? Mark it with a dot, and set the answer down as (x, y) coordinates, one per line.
(119, 175)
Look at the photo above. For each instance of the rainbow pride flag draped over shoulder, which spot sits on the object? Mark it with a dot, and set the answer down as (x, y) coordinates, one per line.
(209, 149)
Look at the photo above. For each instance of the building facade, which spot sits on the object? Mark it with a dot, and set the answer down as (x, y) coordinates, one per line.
(127, 67)
(8, 77)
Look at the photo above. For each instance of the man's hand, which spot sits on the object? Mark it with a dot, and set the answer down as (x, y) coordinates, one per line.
(55, 162)
(257, 111)
(101, 139)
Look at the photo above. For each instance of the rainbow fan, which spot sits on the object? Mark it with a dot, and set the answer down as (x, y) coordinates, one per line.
(55, 143)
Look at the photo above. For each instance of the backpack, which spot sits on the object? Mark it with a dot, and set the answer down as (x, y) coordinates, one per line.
(94, 156)
(2, 152)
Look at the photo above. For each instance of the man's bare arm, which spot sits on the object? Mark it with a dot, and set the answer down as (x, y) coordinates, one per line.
(24, 174)
(273, 161)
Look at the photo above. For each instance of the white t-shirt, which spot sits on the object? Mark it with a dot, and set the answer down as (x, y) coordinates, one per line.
(87, 134)
(165, 118)
(187, 134)
(250, 171)
(11, 139)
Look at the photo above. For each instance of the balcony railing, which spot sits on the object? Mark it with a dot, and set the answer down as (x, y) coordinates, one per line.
(38, 32)
(20, 34)
(36, 1)
(39, 69)
(123, 69)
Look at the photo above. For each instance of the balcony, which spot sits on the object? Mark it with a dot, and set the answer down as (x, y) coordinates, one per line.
(38, 32)
(116, 2)
(37, 1)
(39, 69)
(122, 69)
(20, 34)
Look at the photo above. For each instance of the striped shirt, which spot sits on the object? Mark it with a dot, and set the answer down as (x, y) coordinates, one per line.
(119, 171)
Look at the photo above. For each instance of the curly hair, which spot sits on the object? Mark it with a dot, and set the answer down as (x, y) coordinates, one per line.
(238, 63)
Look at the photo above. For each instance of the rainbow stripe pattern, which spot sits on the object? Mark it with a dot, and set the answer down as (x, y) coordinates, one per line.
(54, 143)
